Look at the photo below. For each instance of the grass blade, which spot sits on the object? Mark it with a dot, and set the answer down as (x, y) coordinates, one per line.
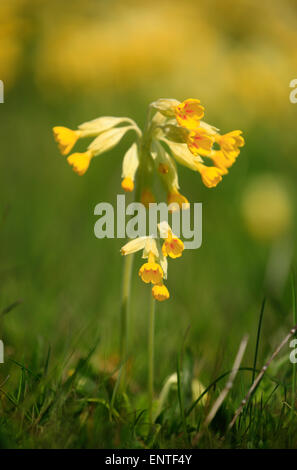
(258, 338)
(260, 376)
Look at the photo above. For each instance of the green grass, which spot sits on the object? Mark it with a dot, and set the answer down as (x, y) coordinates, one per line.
(70, 402)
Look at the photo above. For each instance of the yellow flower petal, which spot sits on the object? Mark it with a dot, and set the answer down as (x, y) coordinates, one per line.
(160, 292)
(230, 144)
(130, 165)
(66, 138)
(127, 184)
(80, 161)
(210, 175)
(172, 247)
(151, 272)
(220, 161)
(188, 113)
(200, 142)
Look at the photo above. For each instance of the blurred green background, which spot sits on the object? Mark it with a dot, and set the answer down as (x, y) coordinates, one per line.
(63, 63)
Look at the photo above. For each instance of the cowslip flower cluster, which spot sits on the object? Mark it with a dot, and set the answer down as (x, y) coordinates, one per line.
(175, 132)
(193, 143)
(154, 270)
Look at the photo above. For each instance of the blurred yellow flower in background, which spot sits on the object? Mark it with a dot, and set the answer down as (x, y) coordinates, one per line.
(147, 46)
(267, 208)
(121, 47)
(13, 29)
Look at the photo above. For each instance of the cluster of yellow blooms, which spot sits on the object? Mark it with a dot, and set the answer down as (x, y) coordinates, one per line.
(174, 132)
(154, 271)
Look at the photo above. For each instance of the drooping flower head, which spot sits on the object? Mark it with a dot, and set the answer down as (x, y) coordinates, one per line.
(154, 270)
(175, 132)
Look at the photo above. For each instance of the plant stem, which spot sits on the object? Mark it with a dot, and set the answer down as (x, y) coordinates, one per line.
(258, 338)
(143, 145)
(124, 339)
(151, 335)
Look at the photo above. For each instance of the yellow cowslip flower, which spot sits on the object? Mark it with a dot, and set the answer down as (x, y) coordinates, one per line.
(172, 245)
(154, 271)
(80, 162)
(66, 138)
(200, 142)
(130, 165)
(160, 292)
(107, 134)
(210, 175)
(220, 161)
(127, 184)
(189, 113)
(230, 143)
(179, 126)
(174, 132)
(151, 271)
